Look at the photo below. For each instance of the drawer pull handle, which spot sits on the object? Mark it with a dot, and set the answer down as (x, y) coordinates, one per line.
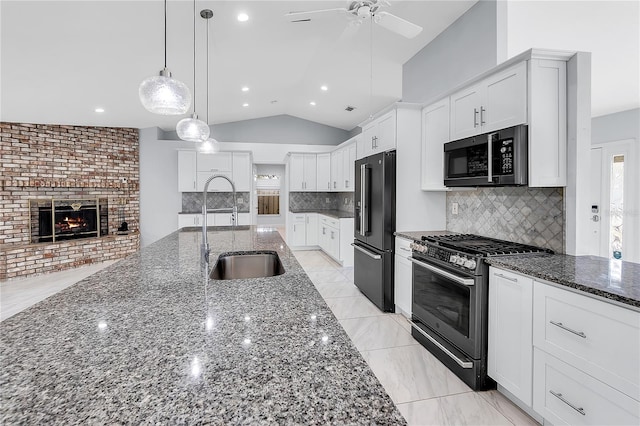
(561, 398)
(405, 249)
(515, 280)
(564, 327)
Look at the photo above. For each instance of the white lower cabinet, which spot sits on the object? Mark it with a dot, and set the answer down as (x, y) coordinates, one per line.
(571, 358)
(213, 219)
(185, 220)
(403, 278)
(509, 358)
(335, 237)
(564, 395)
(303, 229)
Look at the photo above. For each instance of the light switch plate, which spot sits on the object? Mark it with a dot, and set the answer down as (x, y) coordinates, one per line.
(454, 208)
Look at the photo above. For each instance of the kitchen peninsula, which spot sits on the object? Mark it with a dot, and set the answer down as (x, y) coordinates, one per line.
(151, 339)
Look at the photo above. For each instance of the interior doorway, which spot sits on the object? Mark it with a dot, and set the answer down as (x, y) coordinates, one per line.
(615, 199)
(269, 194)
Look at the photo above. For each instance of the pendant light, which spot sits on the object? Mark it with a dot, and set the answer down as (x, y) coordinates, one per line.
(191, 129)
(209, 145)
(162, 94)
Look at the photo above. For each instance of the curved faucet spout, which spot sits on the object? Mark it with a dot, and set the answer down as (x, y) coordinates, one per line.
(205, 244)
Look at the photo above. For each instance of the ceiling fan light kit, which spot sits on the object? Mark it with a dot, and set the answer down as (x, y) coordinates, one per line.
(191, 129)
(162, 94)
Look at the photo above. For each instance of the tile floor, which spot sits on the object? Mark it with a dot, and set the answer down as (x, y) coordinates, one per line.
(424, 390)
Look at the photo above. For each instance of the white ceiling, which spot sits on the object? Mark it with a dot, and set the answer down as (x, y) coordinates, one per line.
(60, 60)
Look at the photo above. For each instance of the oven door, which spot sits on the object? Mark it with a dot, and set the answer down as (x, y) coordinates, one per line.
(449, 304)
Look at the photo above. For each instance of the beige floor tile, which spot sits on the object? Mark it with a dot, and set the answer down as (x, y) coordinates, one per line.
(411, 373)
(508, 408)
(342, 288)
(404, 322)
(353, 307)
(462, 409)
(376, 333)
(326, 276)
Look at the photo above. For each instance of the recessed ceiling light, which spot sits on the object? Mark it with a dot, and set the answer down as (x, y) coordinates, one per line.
(245, 105)
(312, 103)
(243, 17)
(99, 109)
(324, 88)
(245, 89)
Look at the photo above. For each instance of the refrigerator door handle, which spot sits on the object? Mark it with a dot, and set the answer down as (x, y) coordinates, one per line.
(364, 208)
(367, 252)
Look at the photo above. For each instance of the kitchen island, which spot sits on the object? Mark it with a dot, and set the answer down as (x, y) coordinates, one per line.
(151, 339)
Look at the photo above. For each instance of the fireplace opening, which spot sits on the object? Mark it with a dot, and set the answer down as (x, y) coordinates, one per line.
(59, 220)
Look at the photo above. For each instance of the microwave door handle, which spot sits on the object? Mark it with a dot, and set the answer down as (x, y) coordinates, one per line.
(489, 157)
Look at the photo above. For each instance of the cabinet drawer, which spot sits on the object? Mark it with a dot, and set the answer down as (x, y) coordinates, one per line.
(298, 217)
(329, 221)
(402, 247)
(597, 337)
(566, 395)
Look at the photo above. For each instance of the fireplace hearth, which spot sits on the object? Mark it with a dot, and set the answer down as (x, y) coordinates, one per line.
(58, 220)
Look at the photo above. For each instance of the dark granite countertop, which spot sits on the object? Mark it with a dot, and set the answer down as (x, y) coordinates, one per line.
(337, 214)
(417, 235)
(611, 279)
(150, 339)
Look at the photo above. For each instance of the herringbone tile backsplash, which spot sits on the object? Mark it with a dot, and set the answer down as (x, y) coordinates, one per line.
(525, 215)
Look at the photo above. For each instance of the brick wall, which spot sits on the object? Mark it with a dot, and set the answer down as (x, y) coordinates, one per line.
(65, 162)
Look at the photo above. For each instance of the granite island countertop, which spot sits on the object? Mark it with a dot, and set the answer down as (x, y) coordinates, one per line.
(336, 214)
(150, 339)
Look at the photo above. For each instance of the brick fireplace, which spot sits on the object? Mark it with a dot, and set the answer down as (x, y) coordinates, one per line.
(45, 169)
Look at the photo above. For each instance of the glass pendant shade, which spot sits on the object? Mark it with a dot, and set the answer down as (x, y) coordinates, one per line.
(192, 130)
(162, 94)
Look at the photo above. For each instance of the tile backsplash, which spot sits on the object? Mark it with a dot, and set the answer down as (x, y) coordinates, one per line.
(342, 201)
(192, 201)
(525, 215)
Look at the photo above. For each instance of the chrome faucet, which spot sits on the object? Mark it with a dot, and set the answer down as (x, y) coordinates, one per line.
(204, 248)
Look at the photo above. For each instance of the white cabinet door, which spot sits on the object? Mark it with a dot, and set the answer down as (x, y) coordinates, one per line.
(296, 172)
(334, 242)
(241, 171)
(348, 167)
(297, 229)
(185, 220)
(311, 230)
(368, 134)
(324, 172)
(403, 276)
(547, 123)
(510, 352)
(336, 170)
(386, 132)
(497, 102)
(218, 162)
(186, 171)
(465, 112)
(435, 133)
(310, 172)
(505, 99)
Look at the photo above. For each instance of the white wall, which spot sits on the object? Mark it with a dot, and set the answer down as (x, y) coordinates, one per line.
(609, 29)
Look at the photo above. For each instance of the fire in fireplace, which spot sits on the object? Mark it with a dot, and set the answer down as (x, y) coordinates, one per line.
(57, 220)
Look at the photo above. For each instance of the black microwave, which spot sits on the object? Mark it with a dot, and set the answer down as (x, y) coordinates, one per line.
(491, 159)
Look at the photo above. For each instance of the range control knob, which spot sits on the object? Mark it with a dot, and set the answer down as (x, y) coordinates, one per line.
(453, 259)
(461, 261)
(470, 264)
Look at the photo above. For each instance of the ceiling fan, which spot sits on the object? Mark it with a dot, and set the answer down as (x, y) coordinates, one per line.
(359, 11)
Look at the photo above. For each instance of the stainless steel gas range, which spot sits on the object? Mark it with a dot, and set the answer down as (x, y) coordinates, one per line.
(450, 299)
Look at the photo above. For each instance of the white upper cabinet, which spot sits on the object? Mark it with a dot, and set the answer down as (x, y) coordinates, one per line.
(496, 102)
(242, 171)
(323, 162)
(207, 165)
(348, 167)
(337, 183)
(186, 171)
(435, 132)
(302, 172)
(378, 135)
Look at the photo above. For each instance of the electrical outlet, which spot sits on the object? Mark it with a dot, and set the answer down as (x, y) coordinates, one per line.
(327, 200)
(240, 200)
(454, 208)
(346, 201)
(123, 180)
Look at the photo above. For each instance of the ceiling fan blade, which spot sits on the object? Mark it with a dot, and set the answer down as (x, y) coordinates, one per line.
(397, 24)
(302, 15)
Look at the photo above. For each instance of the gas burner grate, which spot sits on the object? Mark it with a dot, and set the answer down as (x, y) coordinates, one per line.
(476, 244)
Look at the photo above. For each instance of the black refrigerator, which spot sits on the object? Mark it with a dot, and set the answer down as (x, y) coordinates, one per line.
(375, 223)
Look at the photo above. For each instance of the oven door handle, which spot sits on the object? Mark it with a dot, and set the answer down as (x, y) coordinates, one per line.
(461, 363)
(464, 281)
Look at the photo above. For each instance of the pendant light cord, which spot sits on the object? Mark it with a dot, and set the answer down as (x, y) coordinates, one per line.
(208, 71)
(371, 67)
(165, 34)
(194, 56)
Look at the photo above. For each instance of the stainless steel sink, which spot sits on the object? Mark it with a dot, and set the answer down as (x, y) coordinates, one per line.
(233, 266)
